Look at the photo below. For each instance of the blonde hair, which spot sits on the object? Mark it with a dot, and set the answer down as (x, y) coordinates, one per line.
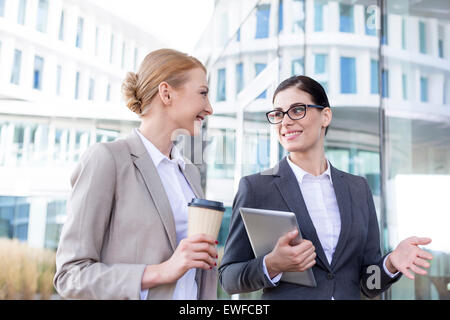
(167, 65)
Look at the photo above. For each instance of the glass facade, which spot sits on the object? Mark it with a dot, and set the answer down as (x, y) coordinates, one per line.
(262, 24)
(42, 16)
(389, 97)
(14, 217)
(61, 26)
(416, 154)
(348, 75)
(2, 8)
(16, 67)
(21, 12)
(79, 38)
(37, 72)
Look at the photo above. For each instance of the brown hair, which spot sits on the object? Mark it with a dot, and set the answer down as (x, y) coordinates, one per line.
(167, 65)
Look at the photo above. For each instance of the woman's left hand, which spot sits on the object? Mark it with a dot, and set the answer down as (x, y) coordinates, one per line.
(409, 257)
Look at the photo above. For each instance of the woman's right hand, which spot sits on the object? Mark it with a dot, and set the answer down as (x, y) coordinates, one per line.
(197, 251)
(285, 257)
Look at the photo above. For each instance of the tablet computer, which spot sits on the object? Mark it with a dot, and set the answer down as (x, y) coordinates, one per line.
(264, 228)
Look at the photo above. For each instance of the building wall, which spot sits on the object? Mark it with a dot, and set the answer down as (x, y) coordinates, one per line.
(62, 97)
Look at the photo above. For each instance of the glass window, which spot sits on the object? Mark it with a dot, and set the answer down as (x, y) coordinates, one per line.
(111, 49)
(258, 68)
(422, 37)
(416, 153)
(445, 92)
(222, 152)
(384, 29)
(61, 27)
(239, 77)
(221, 85)
(14, 217)
(280, 16)
(404, 86)
(103, 135)
(56, 211)
(298, 15)
(15, 73)
(135, 59)
(320, 63)
(238, 35)
(2, 8)
(18, 141)
(441, 42)
(324, 84)
(91, 89)
(223, 36)
(58, 79)
(38, 72)
(42, 16)
(77, 85)
(108, 92)
(97, 39)
(122, 64)
(370, 22)
(385, 83)
(79, 39)
(346, 21)
(81, 143)
(61, 147)
(348, 75)
(318, 15)
(297, 67)
(21, 12)
(404, 33)
(257, 149)
(262, 21)
(374, 76)
(423, 89)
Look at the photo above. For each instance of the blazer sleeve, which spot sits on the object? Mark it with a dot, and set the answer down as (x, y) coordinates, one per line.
(240, 271)
(374, 279)
(80, 274)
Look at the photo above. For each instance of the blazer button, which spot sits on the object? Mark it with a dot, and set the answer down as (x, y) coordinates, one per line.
(330, 276)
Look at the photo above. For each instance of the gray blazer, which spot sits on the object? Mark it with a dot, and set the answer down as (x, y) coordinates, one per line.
(358, 246)
(119, 220)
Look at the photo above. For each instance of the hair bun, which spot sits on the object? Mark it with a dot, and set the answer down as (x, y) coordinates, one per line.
(129, 92)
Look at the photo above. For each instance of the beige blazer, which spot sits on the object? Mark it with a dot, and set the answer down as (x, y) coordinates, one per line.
(119, 220)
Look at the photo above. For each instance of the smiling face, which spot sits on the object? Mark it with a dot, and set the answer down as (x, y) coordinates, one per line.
(304, 134)
(190, 103)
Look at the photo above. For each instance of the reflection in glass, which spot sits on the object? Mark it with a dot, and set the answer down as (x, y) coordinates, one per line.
(262, 21)
(416, 155)
(414, 85)
(42, 16)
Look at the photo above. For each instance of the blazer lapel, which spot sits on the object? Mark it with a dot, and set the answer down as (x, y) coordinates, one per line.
(145, 165)
(343, 199)
(288, 186)
(189, 173)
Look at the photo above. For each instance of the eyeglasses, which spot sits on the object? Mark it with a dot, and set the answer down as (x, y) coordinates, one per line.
(296, 111)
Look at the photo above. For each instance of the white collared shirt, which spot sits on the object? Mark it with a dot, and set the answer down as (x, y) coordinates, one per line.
(320, 200)
(179, 193)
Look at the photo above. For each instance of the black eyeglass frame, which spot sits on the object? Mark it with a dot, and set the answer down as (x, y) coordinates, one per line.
(294, 105)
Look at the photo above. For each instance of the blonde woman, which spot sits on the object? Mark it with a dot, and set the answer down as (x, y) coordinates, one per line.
(126, 231)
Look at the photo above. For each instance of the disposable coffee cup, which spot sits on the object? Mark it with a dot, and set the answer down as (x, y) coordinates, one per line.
(205, 216)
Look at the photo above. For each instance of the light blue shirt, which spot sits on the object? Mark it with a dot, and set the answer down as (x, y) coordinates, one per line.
(179, 193)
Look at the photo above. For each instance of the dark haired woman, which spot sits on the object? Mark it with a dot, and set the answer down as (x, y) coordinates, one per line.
(334, 209)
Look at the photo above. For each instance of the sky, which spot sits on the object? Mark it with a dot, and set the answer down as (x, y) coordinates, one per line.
(177, 23)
